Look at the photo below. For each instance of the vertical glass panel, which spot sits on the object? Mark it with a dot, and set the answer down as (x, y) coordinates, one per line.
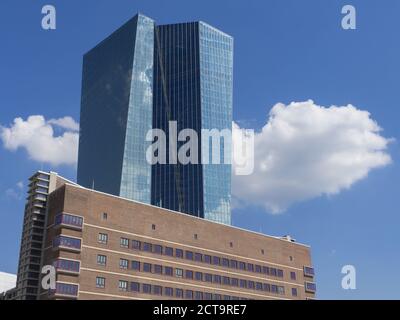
(216, 81)
(136, 171)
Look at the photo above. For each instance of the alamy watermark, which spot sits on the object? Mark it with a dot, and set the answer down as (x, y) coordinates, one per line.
(49, 18)
(349, 20)
(215, 147)
(349, 280)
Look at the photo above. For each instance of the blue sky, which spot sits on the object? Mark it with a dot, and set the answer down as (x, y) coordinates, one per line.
(284, 51)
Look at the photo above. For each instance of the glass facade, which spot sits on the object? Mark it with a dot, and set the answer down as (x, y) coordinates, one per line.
(136, 171)
(193, 66)
(116, 112)
(67, 265)
(145, 76)
(67, 242)
(68, 220)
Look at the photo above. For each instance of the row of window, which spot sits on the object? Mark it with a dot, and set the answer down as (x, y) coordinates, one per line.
(67, 242)
(66, 289)
(157, 290)
(67, 265)
(195, 256)
(68, 220)
(194, 275)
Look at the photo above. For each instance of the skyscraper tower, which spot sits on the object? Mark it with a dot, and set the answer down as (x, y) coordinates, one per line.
(145, 76)
(193, 86)
(116, 112)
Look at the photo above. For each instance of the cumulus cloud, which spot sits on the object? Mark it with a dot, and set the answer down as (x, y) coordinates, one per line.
(36, 136)
(66, 123)
(305, 151)
(7, 281)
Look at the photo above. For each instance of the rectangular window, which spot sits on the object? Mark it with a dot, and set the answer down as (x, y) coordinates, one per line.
(233, 264)
(135, 265)
(146, 267)
(308, 271)
(235, 282)
(157, 290)
(198, 295)
(69, 220)
(217, 278)
(135, 286)
(242, 265)
(123, 285)
(250, 284)
(207, 258)
(281, 290)
(169, 251)
(124, 243)
(100, 282)
(207, 296)
(101, 260)
(179, 253)
(157, 269)
(310, 287)
(66, 289)
(243, 283)
(266, 287)
(179, 293)
(146, 288)
(158, 249)
(208, 277)
(66, 265)
(189, 255)
(178, 273)
(189, 294)
(136, 244)
(198, 257)
(294, 292)
(67, 242)
(123, 264)
(189, 274)
(250, 267)
(168, 271)
(258, 286)
(225, 262)
(258, 268)
(169, 291)
(274, 288)
(273, 272)
(147, 247)
(265, 270)
(293, 275)
(226, 281)
(102, 238)
(199, 276)
(216, 261)
(217, 297)
(279, 273)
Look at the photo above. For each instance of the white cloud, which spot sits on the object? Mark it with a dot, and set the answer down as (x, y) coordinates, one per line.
(305, 151)
(7, 281)
(36, 136)
(66, 123)
(20, 185)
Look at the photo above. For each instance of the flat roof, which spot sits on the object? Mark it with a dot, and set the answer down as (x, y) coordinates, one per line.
(186, 215)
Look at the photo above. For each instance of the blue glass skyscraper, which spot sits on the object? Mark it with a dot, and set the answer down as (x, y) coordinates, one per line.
(193, 86)
(116, 112)
(144, 76)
